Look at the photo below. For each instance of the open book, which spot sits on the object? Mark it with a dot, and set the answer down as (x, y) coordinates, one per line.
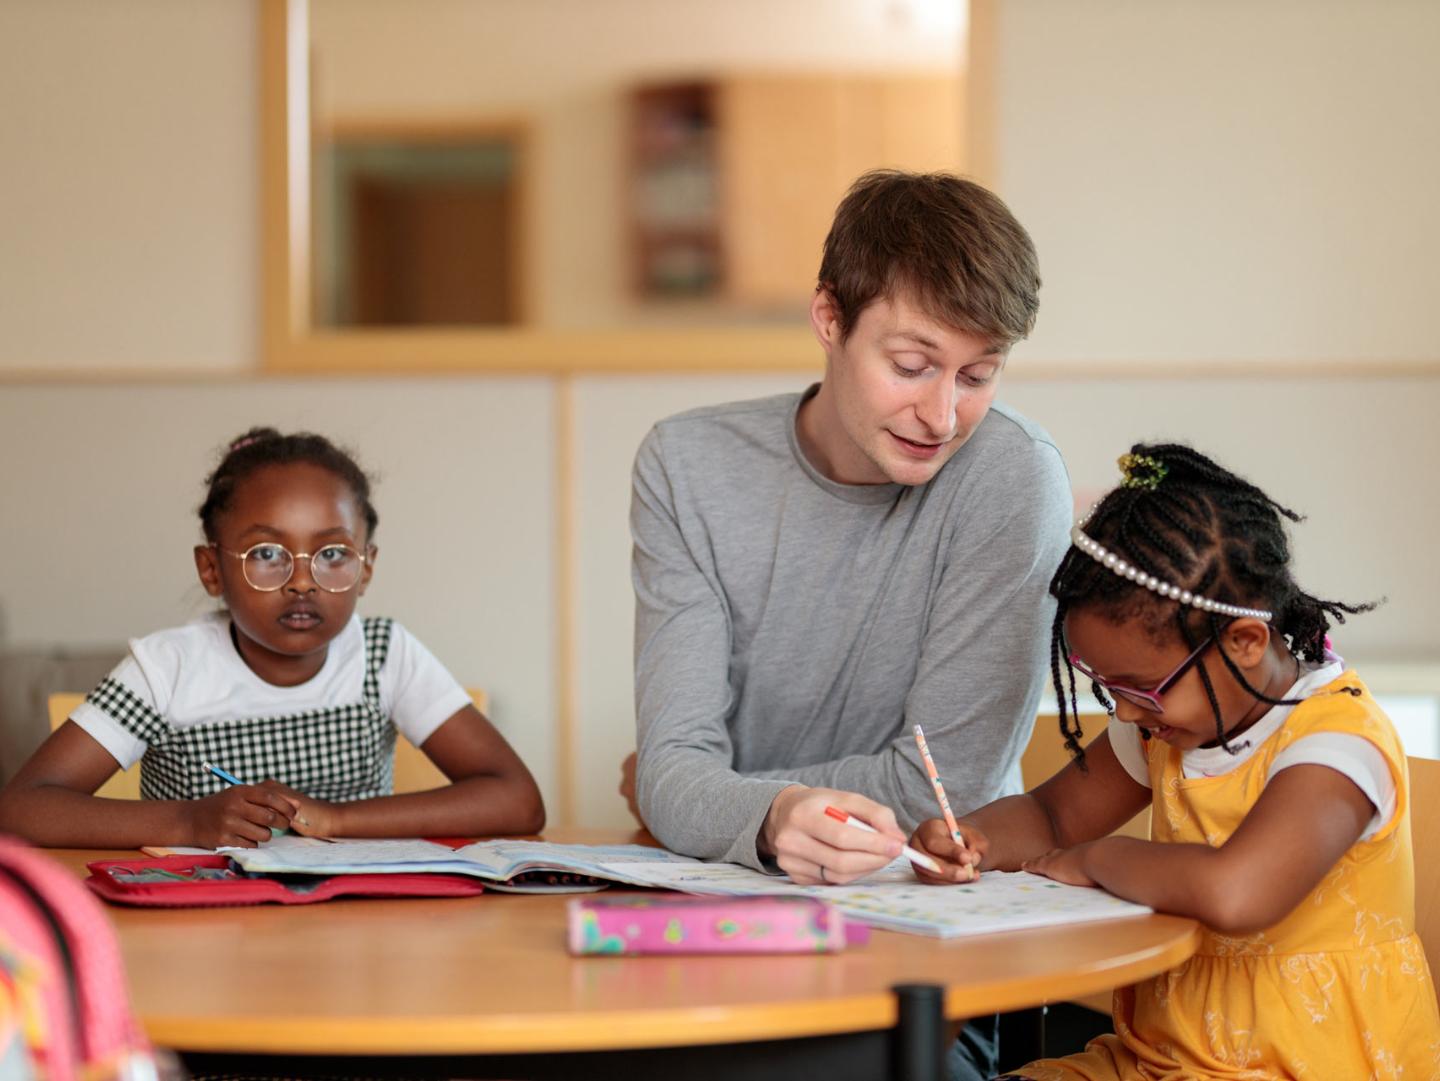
(890, 898)
(497, 862)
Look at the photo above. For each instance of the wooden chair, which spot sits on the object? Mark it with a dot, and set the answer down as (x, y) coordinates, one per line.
(1046, 755)
(416, 773)
(1425, 839)
(125, 785)
(413, 771)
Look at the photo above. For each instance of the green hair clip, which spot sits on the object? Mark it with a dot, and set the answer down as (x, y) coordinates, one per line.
(1141, 471)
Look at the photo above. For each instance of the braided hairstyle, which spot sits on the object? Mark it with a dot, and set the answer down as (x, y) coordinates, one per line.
(262, 447)
(1188, 521)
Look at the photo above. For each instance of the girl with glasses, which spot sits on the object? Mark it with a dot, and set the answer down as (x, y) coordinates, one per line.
(285, 690)
(1277, 788)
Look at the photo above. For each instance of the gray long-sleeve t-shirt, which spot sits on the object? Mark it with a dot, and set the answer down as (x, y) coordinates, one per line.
(790, 629)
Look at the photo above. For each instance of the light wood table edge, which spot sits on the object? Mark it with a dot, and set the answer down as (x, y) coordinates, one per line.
(534, 1034)
(658, 1027)
(1022, 992)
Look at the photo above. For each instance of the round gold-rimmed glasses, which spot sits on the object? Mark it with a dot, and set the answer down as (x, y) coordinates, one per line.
(268, 566)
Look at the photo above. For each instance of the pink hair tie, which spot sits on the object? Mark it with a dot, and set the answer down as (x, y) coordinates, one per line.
(241, 444)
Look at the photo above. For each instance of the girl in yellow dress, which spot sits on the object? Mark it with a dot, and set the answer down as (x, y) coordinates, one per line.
(1280, 815)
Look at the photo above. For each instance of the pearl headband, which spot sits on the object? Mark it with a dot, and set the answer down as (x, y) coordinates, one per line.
(1102, 555)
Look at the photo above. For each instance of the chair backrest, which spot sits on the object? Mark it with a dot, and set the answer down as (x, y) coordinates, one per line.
(1046, 755)
(1425, 839)
(416, 773)
(413, 771)
(122, 785)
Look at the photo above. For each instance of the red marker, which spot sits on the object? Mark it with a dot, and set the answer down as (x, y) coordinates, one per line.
(909, 853)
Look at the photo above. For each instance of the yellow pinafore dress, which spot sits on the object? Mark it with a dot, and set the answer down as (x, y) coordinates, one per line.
(1338, 989)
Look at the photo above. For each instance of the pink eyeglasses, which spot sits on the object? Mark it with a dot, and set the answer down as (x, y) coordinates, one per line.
(1146, 700)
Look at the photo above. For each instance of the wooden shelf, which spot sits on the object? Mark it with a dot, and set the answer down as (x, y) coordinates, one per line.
(734, 180)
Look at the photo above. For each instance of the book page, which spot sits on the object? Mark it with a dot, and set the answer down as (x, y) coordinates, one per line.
(294, 854)
(892, 898)
(494, 860)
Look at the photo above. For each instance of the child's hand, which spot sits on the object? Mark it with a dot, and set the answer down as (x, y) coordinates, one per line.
(960, 863)
(240, 816)
(1063, 865)
(312, 817)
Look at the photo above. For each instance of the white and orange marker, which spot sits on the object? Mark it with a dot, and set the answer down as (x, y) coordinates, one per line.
(909, 853)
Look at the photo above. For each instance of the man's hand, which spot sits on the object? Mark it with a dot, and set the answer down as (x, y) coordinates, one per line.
(627, 785)
(960, 862)
(812, 848)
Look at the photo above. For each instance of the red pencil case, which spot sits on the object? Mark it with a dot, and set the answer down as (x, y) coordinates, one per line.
(205, 881)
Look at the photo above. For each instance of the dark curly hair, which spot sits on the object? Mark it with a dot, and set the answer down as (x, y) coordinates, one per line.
(261, 447)
(1188, 521)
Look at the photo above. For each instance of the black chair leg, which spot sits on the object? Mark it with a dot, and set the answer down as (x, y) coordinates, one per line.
(921, 1033)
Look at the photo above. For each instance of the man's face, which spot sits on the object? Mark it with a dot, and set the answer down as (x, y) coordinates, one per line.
(901, 394)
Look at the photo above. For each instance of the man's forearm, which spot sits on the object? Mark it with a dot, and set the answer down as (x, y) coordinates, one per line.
(698, 809)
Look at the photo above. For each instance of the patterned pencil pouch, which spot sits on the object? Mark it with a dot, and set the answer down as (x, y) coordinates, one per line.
(630, 924)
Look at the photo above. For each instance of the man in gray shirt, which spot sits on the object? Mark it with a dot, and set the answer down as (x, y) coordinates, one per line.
(817, 573)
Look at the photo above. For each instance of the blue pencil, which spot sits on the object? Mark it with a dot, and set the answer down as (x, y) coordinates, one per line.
(228, 778)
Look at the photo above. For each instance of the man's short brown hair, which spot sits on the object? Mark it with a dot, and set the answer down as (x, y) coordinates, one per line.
(948, 244)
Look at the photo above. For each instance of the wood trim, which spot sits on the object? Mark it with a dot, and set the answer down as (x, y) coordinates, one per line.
(284, 176)
(551, 351)
(742, 353)
(436, 130)
(567, 774)
(623, 352)
(982, 107)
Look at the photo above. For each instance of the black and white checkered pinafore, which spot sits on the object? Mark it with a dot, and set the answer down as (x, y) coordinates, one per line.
(343, 752)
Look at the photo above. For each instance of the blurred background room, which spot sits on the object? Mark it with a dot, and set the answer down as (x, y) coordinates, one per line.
(487, 243)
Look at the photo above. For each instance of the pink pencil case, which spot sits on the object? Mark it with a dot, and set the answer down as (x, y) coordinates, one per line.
(670, 924)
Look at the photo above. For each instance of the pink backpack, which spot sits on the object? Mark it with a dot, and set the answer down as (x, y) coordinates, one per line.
(64, 1011)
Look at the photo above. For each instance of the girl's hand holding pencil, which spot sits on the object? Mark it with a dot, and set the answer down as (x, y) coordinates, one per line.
(959, 860)
(240, 815)
(305, 816)
(956, 836)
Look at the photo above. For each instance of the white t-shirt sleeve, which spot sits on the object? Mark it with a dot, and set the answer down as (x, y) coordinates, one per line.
(416, 690)
(124, 745)
(1130, 751)
(1355, 757)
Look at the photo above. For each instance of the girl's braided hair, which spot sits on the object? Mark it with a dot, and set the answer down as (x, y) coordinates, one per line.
(261, 447)
(1188, 521)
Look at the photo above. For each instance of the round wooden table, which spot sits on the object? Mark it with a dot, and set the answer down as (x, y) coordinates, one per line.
(490, 975)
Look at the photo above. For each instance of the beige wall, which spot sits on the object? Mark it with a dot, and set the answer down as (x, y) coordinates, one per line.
(1226, 180)
(128, 188)
(100, 479)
